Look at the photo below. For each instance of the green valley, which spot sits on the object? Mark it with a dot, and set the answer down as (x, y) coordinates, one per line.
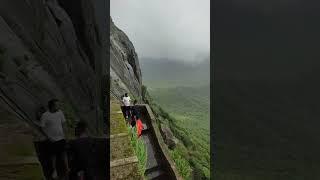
(181, 96)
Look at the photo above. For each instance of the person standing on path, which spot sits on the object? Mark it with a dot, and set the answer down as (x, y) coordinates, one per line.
(136, 119)
(135, 110)
(126, 102)
(135, 115)
(52, 122)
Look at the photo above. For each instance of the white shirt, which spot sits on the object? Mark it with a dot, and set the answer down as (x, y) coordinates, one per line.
(51, 124)
(126, 101)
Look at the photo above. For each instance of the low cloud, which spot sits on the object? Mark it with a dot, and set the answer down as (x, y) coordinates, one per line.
(178, 30)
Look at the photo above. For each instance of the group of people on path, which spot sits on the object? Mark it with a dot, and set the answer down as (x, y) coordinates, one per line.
(52, 123)
(132, 113)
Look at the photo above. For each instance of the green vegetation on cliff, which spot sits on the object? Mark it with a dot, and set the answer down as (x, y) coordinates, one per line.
(182, 163)
(190, 124)
(140, 150)
(180, 98)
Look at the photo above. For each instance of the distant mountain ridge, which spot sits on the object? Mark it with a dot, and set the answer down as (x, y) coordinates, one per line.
(182, 89)
(174, 73)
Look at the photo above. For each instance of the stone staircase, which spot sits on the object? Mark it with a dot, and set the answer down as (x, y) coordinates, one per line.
(123, 161)
(17, 154)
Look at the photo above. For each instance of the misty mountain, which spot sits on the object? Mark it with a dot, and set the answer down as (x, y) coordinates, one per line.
(159, 72)
(182, 89)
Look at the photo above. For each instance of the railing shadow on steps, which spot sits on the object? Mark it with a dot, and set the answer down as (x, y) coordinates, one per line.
(165, 164)
(99, 158)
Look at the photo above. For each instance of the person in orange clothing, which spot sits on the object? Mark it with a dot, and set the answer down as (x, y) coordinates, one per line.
(136, 121)
(139, 127)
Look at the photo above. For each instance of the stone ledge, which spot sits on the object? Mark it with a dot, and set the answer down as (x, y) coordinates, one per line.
(124, 161)
(160, 140)
(118, 135)
(116, 112)
(22, 161)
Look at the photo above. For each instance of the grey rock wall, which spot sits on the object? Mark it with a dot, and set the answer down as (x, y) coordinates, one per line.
(125, 72)
(54, 49)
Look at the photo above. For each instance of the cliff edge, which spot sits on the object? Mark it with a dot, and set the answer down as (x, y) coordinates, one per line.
(125, 72)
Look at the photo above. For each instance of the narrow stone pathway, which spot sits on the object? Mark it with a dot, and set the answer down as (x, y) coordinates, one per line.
(158, 165)
(123, 162)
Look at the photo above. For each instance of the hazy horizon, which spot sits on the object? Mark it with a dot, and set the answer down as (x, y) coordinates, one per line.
(176, 30)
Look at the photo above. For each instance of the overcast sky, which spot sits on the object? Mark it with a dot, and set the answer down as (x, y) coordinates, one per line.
(174, 29)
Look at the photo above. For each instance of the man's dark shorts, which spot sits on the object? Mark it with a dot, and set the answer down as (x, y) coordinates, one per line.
(58, 147)
(127, 109)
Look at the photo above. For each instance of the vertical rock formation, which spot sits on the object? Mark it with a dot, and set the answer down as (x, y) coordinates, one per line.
(125, 72)
(54, 49)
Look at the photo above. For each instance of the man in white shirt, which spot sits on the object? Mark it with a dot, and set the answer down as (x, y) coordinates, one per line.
(52, 122)
(126, 102)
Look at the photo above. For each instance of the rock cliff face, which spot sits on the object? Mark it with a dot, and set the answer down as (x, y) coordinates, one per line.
(54, 49)
(125, 72)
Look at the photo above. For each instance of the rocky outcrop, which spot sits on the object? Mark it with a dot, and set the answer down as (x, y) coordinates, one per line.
(168, 137)
(125, 72)
(54, 49)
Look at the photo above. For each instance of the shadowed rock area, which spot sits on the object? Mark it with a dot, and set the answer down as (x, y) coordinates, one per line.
(52, 49)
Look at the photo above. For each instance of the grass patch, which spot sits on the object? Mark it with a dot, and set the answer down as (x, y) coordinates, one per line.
(20, 149)
(191, 128)
(182, 164)
(117, 124)
(121, 148)
(139, 149)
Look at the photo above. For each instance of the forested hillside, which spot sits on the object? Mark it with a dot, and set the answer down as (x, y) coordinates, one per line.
(182, 93)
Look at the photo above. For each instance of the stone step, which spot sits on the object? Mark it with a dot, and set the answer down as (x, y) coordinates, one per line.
(120, 147)
(118, 112)
(118, 135)
(124, 161)
(21, 161)
(125, 169)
